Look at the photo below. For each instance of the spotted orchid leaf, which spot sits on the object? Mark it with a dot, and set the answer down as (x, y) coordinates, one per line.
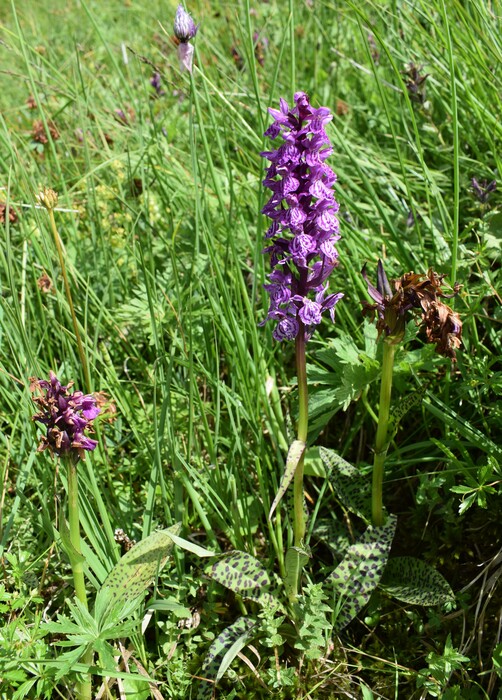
(359, 573)
(413, 581)
(241, 573)
(136, 570)
(221, 653)
(352, 489)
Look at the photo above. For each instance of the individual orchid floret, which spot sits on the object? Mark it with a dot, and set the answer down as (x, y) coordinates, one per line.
(304, 226)
(414, 291)
(66, 415)
(185, 29)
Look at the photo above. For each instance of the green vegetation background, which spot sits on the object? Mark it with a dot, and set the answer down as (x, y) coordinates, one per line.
(160, 198)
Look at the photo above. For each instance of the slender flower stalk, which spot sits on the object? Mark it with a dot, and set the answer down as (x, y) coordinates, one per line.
(302, 238)
(49, 199)
(302, 430)
(393, 309)
(67, 416)
(381, 439)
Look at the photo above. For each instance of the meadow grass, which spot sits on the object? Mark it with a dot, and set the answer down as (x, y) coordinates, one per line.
(159, 212)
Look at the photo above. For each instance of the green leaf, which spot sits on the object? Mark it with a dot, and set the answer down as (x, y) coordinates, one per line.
(136, 570)
(357, 576)
(295, 560)
(241, 573)
(413, 581)
(401, 409)
(295, 453)
(222, 652)
(352, 488)
(192, 547)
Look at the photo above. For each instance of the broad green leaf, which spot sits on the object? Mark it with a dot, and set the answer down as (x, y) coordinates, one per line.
(352, 488)
(295, 453)
(241, 573)
(136, 570)
(222, 652)
(413, 581)
(295, 560)
(359, 573)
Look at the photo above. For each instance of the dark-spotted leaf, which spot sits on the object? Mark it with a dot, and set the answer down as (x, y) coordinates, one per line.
(136, 570)
(401, 409)
(241, 573)
(413, 581)
(352, 488)
(360, 571)
(295, 453)
(222, 652)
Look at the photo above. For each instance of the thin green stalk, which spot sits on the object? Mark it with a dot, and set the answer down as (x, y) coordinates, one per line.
(84, 689)
(301, 372)
(59, 247)
(381, 440)
(456, 149)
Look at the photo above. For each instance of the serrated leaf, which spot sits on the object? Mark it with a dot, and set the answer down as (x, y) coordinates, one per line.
(295, 453)
(241, 573)
(352, 488)
(222, 652)
(295, 560)
(360, 571)
(414, 581)
(136, 570)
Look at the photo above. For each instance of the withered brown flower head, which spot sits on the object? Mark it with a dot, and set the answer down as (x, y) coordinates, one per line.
(44, 283)
(411, 292)
(415, 82)
(40, 135)
(10, 212)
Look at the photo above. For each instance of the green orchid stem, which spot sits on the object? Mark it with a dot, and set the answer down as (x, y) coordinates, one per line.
(59, 247)
(84, 689)
(299, 524)
(381, 440)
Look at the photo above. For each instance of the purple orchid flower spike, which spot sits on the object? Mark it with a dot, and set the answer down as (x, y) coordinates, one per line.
(303, 211)
(66, 416)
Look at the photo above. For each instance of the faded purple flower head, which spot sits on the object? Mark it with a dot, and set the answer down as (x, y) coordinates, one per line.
(66, 415)
(156, 83)
(304, 226)
(482, 190)
(184, 30)
(184, 26)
